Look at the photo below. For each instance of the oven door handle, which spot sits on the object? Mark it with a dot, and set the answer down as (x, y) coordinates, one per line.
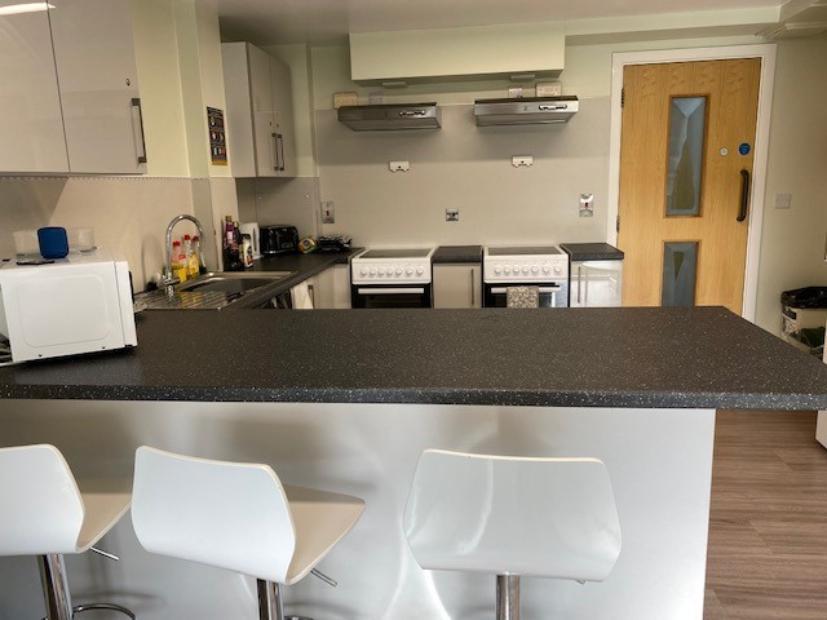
(390, 291)
(499, 290)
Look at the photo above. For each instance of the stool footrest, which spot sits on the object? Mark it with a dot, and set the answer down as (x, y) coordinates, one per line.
(79, 609)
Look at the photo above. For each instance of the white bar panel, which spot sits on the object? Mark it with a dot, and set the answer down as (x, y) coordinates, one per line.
(660, 462)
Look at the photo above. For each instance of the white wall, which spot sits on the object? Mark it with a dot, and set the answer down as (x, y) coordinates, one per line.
(793, 244)
(129, 214)
(462, 166)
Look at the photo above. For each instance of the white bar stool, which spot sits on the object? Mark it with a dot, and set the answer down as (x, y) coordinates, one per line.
(46, 514)
(237, 516)
(539, 517)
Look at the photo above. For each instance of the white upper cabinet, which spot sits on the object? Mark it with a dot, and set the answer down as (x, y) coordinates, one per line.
(95, 58)
(283, 114)
(31, 127)
(259, 112)
(457, 53)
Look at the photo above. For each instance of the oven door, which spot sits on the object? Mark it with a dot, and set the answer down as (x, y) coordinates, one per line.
(552, 294)
(390, 296)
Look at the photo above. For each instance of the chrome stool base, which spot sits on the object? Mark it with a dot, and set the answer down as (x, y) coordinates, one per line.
(508, 597)
(271, 602)
(56, 592)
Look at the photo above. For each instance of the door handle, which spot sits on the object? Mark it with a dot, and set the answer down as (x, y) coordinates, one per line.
(473, 292)
(138, 130)
(745, 183)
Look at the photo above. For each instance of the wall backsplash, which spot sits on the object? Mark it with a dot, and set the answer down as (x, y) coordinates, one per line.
(497, 202)
(280, 201)
(129, 214)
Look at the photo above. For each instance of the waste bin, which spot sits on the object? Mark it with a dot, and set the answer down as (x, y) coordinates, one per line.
(804, 314)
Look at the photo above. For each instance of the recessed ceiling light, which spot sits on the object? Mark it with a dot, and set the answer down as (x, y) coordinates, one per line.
(25, 7)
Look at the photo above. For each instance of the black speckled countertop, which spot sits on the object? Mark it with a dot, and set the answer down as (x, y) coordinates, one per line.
(591, 251)
(457, 254)
(595, 357)
(303, 265)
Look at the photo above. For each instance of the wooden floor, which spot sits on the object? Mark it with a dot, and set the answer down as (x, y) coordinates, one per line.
(768, 522)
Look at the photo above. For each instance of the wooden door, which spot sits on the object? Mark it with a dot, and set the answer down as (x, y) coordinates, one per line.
(686, 162)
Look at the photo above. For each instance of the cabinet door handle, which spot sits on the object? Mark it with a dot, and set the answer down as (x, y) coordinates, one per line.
(275, 151)
(742, 212)
(138, 130)
(280, 150)
(579, 281)
(473, 292)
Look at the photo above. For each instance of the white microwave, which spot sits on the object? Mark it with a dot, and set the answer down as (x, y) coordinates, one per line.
(79, 304)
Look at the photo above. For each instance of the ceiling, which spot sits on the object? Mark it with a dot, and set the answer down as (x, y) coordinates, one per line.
(320, 21)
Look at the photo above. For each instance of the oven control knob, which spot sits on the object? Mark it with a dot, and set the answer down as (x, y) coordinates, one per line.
(409, 271)
(557, 270)
(546, 269)
(506, 270)
(419, 271)
(535, 269)
(372, 271)
(526, 269)
(363, 272)
(381, 271)
(498, 270)
(399, 271)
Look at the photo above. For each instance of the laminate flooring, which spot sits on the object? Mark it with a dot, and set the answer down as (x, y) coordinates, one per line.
(768, 520)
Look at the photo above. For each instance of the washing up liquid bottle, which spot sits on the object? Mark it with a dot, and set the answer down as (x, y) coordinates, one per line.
(179, 263)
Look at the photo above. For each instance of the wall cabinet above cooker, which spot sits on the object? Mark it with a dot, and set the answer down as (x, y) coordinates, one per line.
(74, 104)
(521, 50)
(260, 129)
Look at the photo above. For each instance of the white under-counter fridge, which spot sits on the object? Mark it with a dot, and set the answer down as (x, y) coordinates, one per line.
(821, 425)
(595, 275)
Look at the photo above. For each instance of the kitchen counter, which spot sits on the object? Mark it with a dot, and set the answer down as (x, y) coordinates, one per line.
(591, 251)
(599, 357)
(460, 254)
(304, 265)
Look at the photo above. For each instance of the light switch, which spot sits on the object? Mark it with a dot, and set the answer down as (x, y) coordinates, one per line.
(452, 215)
(520, 161)
(783, 201)
(399, 166)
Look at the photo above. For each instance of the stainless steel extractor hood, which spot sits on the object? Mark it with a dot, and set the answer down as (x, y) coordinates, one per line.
(392, 116)
(525, 111)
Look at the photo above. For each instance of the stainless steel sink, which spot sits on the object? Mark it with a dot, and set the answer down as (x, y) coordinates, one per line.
(211, 291)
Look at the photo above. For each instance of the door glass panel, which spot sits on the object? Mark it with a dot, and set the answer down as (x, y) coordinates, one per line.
(687, 120)
(680, 269)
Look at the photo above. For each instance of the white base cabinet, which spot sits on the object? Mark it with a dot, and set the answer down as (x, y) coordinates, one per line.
(31, 124)
(458, 286)
(333, 288)
(328, 290)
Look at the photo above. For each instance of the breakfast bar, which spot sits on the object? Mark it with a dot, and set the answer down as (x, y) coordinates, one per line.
(348, 400)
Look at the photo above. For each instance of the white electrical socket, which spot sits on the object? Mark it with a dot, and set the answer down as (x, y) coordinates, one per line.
(586, 205)
(399, 166)
(328, 212)
(520, 161)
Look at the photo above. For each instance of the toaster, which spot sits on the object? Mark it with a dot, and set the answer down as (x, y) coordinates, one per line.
(279, 240)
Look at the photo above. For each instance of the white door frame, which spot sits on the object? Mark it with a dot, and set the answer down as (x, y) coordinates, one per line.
(766, 52)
